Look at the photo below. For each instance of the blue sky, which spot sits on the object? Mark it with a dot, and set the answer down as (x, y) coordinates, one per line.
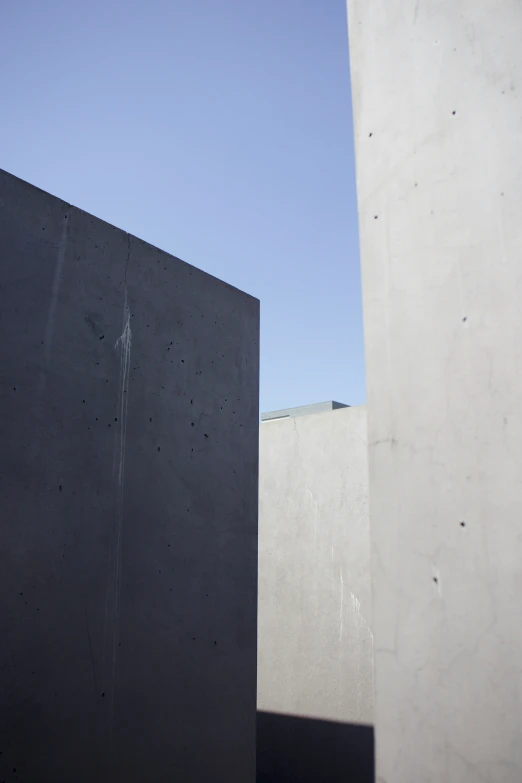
(218, 130)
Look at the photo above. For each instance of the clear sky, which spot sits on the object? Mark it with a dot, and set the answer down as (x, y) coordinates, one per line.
(218, 130)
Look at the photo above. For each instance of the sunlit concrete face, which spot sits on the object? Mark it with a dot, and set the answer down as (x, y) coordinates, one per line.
(128, 506)
(315, 642)
(437, 107)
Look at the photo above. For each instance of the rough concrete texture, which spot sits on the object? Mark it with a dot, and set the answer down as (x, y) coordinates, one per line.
(315, 644)
(437, 106)
(302, 410)
(128, 506)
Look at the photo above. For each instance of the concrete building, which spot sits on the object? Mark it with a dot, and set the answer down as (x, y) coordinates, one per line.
(437, 94)
(315, 667)
(128, 506)
(303, 410)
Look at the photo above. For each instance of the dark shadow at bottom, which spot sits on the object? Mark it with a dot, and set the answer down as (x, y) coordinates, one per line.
(306, 750)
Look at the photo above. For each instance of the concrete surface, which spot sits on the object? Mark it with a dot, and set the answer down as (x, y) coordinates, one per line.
(302, 410)
(315, 644)
(438, 107)
(128, 506)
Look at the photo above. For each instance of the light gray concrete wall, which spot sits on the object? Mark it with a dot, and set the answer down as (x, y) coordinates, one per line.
(315, 644)
(438, 107)
(128, 506)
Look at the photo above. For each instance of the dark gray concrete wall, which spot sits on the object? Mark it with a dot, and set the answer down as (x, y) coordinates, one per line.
(128, 506)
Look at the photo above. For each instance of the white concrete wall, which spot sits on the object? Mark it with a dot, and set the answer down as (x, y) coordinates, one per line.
(314, 641)
(438, 128)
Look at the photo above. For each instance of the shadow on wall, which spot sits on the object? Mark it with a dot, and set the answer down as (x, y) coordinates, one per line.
(306, 750)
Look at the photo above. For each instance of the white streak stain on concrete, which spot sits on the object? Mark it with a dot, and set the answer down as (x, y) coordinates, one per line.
(356, 625)
(51, 316)
(124, 344)
(359, 627)
(361, 622)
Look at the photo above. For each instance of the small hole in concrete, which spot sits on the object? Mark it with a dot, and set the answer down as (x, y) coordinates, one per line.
(375, 217)
(102, 337)
(453, 112)
(435, 580)
(465, 318)
(463, 524)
